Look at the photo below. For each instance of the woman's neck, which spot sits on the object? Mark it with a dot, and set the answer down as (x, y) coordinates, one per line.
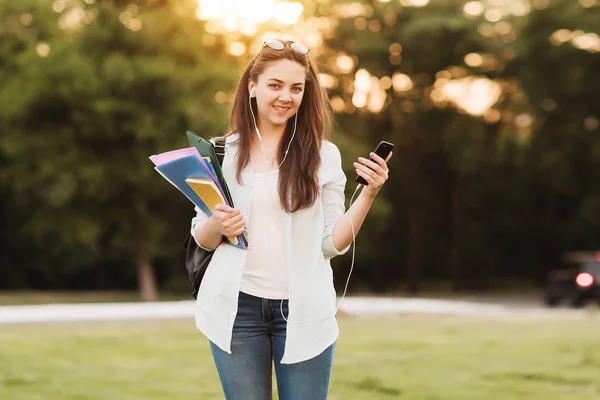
(266, 152)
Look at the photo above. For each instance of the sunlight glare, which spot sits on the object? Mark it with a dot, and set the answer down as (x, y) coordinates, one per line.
(42, 49)
(337, 103)
(520, 9)
(474, 60)
(345, 63)
(288, 13)
(72, 19)
(588, 3)
(493, 15)
(401, 82)
(362, 81)
(377, 96)
(586, 41)
(420, 3)
(473, 9)
(359, 99)
(327, 81)
(475, 95)
(59, 6)
(237, 48)
(385, 82)
(235, 15)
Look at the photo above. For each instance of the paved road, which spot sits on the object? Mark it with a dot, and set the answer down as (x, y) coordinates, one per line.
(356, 306)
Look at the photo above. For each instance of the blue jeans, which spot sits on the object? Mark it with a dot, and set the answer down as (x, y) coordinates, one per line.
(258, 339)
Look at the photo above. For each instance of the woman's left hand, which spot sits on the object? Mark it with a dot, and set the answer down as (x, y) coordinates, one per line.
(374, 172)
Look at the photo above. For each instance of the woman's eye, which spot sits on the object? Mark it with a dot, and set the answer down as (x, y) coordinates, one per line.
(274, 86)
(297, 90)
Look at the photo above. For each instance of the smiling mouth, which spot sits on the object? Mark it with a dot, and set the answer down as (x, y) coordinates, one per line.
(281, 109)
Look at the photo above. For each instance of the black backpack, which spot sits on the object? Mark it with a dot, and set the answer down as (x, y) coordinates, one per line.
(196, 258)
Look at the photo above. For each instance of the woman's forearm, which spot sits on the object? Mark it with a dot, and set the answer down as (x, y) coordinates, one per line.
(342, 230)
(375, 172)
(207, 235)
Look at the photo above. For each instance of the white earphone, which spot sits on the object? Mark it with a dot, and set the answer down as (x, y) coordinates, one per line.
(252, 94)
(255, 127)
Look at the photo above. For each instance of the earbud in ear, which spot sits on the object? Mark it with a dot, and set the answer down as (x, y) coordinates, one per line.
(252, 92)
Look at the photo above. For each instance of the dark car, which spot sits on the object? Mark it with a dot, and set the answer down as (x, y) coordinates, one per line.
(577, 282)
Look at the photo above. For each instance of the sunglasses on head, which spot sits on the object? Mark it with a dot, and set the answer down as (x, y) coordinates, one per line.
(279, 45)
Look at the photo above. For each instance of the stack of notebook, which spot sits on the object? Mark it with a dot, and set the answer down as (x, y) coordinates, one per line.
(196, 172)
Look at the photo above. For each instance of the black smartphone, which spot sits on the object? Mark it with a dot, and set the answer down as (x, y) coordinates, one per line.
(383, 150)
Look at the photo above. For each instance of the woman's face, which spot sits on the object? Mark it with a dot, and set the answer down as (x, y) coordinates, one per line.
(279, 91)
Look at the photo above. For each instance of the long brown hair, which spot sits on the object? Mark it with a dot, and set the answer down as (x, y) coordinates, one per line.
(298, 182)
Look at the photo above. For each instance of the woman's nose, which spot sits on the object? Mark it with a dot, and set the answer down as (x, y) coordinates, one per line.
(285, 98)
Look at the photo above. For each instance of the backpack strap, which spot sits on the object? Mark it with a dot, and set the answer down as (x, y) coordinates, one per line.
(220, 148)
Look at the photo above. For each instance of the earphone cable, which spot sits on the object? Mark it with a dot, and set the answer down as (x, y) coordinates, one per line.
(260, 137)
(353, 254)
(353, 246)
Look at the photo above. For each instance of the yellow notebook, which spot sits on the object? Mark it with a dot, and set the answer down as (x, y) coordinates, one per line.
(210, 194)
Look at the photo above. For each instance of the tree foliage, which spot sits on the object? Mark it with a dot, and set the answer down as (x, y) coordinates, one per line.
(83, 105)
(89, 91)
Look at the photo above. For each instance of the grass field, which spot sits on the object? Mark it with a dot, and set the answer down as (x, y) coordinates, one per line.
(409, 357)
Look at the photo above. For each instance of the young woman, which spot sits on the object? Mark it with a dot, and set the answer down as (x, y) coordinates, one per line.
(275, 302)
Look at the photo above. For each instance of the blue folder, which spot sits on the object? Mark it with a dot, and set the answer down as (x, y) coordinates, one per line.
(177, 171)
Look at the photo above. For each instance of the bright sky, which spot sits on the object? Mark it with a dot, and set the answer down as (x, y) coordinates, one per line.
(234, 15)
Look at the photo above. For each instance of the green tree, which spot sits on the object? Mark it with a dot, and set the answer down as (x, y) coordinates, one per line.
(88, 92)
(557, 66)
(387, 38)
(477, 200)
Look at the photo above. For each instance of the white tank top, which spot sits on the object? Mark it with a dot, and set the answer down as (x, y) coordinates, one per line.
(265, 272)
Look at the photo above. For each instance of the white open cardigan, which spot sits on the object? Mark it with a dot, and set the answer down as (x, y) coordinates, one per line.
(312, 325)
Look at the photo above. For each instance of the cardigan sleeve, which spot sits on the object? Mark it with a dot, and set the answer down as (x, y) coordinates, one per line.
(332, 197)
(197, 221)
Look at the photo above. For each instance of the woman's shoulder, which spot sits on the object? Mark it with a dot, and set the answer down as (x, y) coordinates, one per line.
(330, 169)
(232, 138)
(329, 152)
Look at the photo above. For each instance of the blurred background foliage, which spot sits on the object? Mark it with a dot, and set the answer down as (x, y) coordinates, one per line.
(492, 105)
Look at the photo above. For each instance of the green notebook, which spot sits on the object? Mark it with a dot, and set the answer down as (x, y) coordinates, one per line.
(206, 149)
